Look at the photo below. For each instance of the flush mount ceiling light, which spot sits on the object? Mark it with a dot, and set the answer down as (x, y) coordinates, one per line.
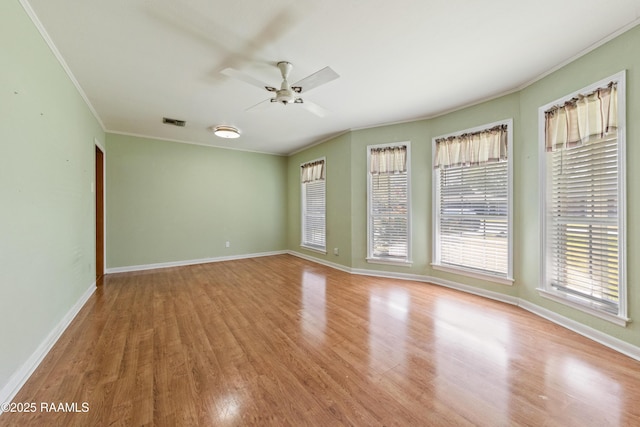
(225, 131)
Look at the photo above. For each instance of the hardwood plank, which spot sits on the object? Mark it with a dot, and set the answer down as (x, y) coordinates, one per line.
(282, 341)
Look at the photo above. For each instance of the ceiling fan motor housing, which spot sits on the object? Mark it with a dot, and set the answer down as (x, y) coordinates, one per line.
(285, 96)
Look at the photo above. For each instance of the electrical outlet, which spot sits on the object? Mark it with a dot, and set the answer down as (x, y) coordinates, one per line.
(336, 251)
(227, 244)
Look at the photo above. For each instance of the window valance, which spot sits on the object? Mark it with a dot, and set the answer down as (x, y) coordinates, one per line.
(392, 159)
(594, 115)
(475, 148)
(312, 171)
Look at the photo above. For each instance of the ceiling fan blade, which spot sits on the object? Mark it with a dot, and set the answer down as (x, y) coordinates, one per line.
(231, 47)
(239, 75)
(276, 28)
(312, 107)
(262, 105)
(314, 80)
(197, 23)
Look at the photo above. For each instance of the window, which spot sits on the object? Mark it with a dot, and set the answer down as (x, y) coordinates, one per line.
(472, 202)
(388, 203)
(582, 164)
(313, 205)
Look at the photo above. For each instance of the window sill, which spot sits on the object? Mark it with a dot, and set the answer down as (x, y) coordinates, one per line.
(314, 249)
(402, 263)
(477, 275)
(574, 302)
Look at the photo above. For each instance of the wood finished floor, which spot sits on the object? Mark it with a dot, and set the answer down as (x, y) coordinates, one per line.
(282, 341)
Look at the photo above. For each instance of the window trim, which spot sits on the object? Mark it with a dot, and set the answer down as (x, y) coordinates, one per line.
(435, 197)
(303, 244)
(381, 260)
(545, 290)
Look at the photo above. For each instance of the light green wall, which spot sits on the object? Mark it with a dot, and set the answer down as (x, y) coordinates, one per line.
(416, 133)
(506, 107)
(47, 226)
(170, 202)
(616, 55)
(339, 195)
(349, 151)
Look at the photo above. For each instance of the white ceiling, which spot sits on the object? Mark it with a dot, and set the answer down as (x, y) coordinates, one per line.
(140, 60)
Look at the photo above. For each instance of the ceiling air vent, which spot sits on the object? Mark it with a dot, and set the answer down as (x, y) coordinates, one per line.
(174, 122)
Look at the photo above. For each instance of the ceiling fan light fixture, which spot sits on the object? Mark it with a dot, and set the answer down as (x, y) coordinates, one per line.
(228, 132)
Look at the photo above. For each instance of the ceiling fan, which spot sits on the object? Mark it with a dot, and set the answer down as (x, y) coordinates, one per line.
(288, 93)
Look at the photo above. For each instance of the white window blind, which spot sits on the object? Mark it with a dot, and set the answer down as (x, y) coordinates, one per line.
(472, 224)
(582, 142)
(313, 205)
(388, 188)
(473, 213)
(582, 222)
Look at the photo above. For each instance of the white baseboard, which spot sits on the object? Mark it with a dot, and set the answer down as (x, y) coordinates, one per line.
(497, 296)
(441, 282)
(586, 331)
(20, 377)
(415, 277)
(143, 267)
(320, 261)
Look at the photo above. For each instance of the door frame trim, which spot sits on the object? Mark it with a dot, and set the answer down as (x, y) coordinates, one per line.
(98, 145)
